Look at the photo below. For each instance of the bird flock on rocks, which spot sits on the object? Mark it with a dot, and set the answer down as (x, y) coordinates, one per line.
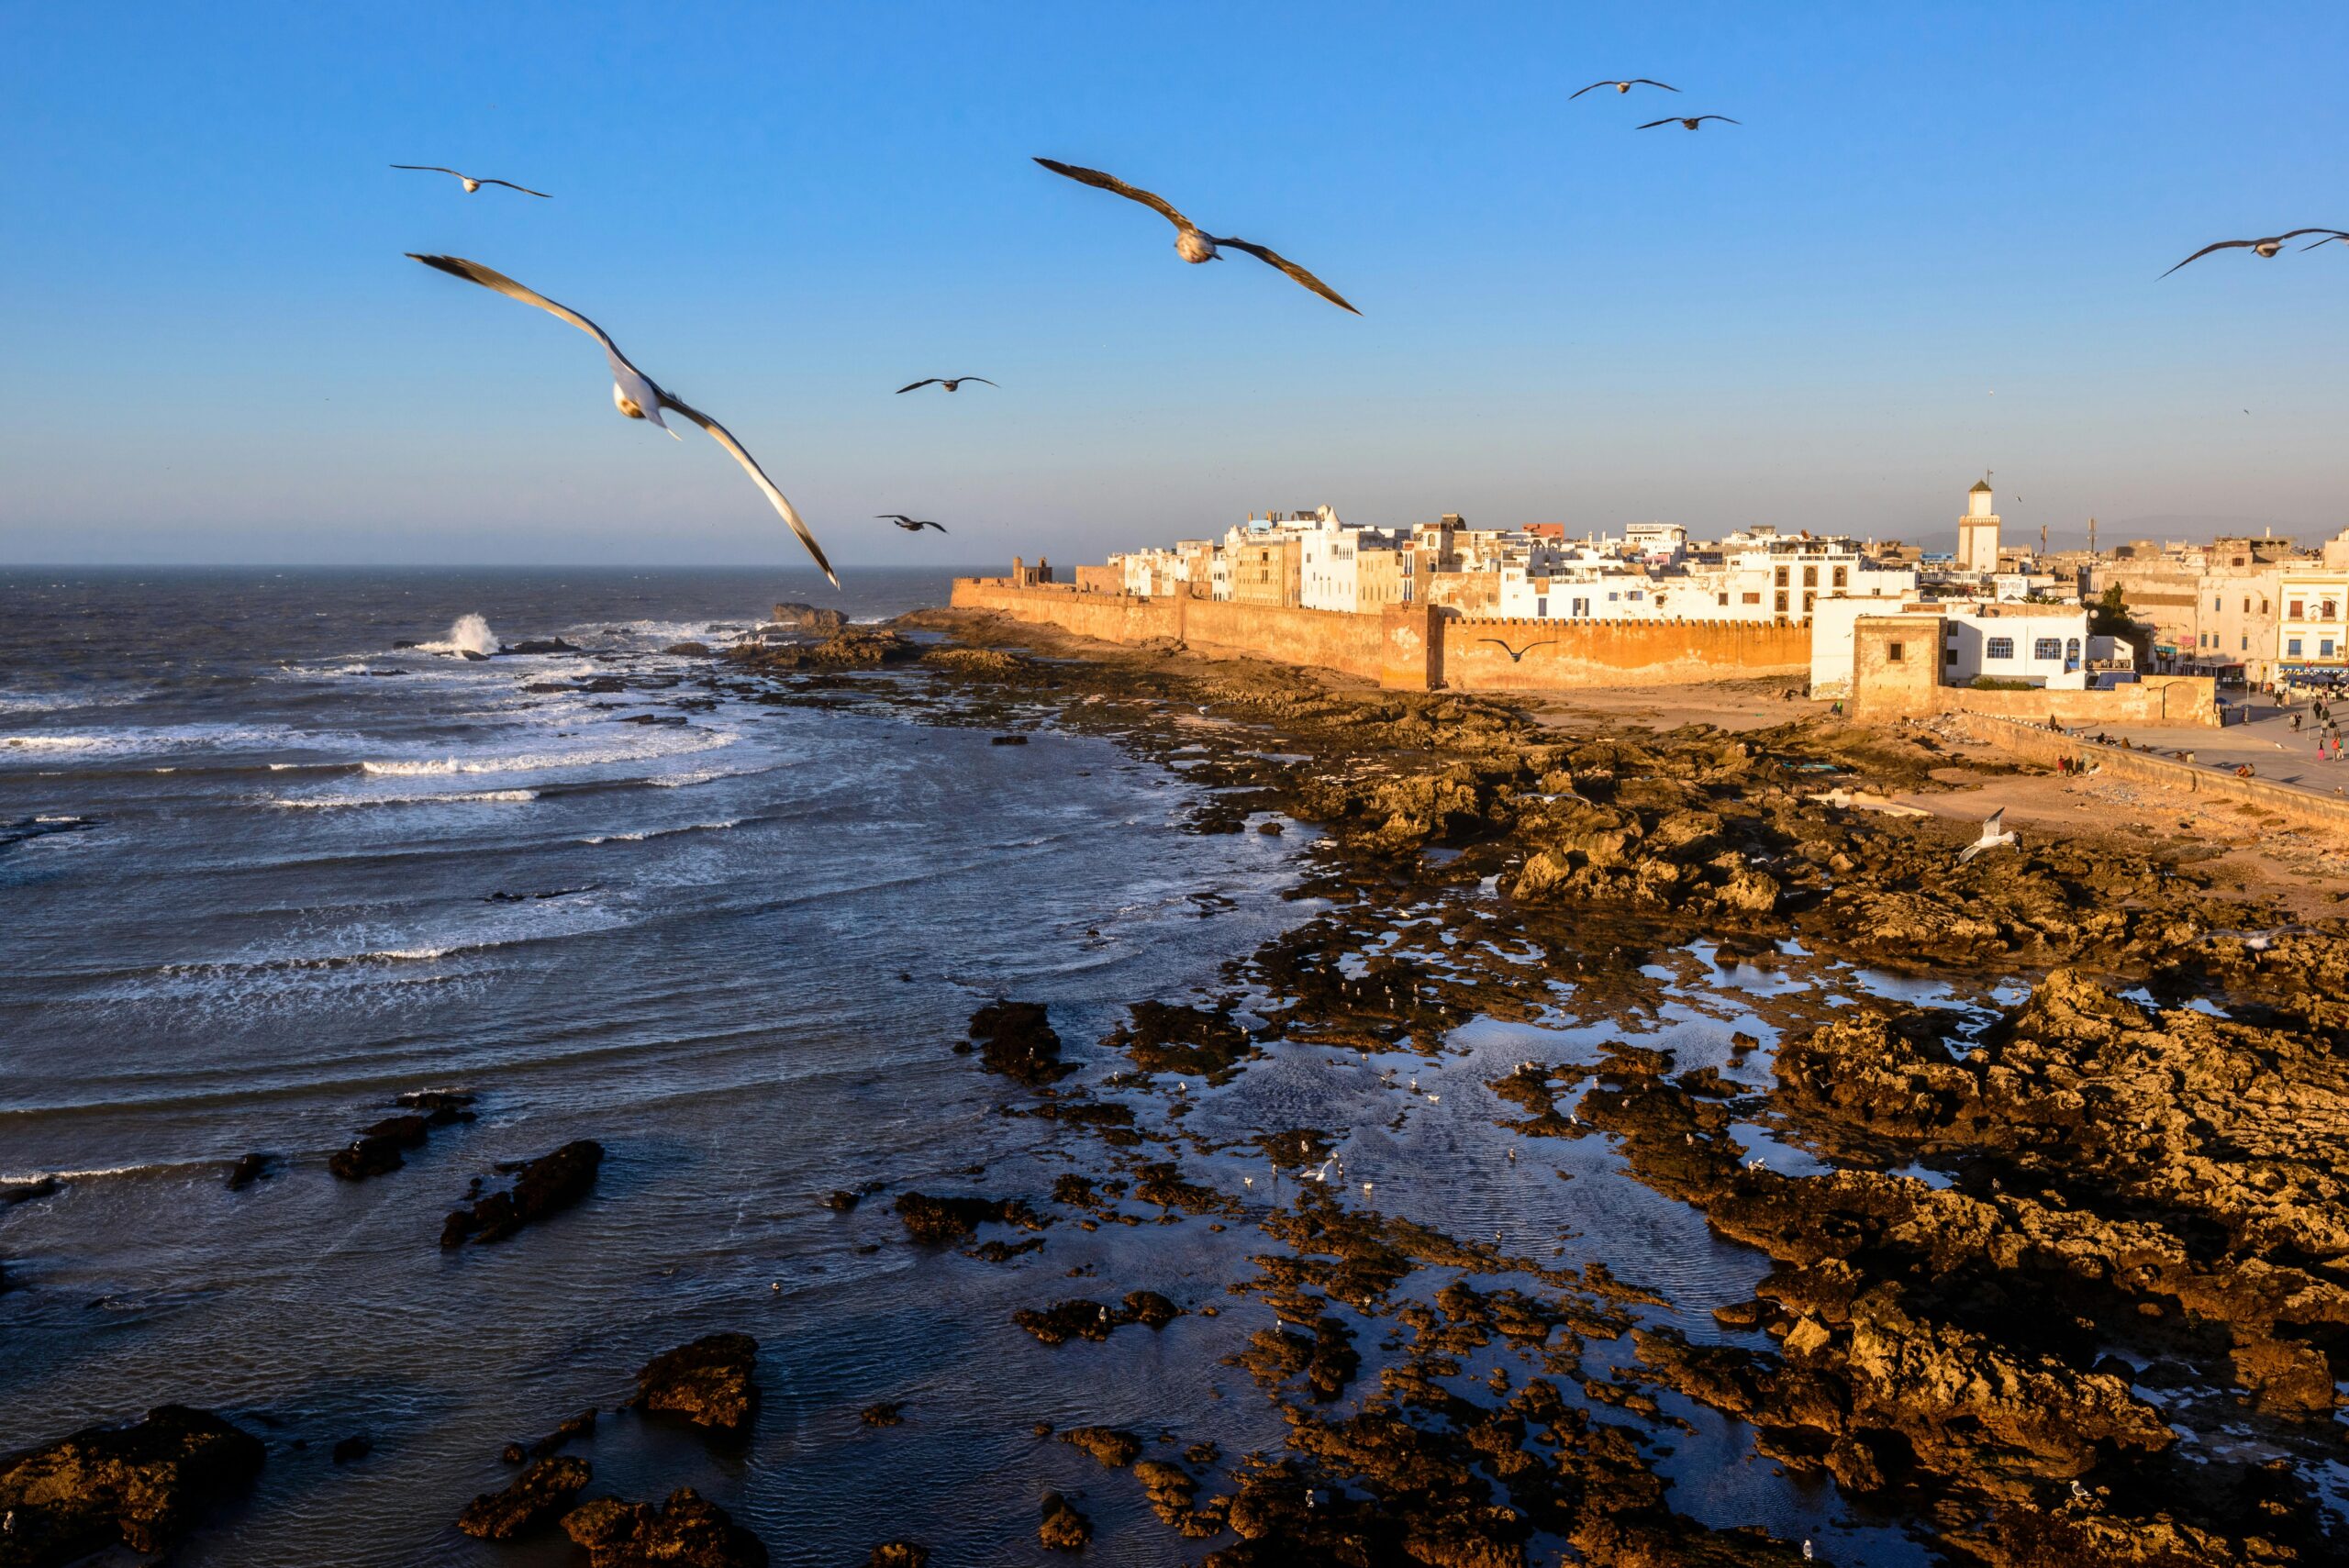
(639, 397)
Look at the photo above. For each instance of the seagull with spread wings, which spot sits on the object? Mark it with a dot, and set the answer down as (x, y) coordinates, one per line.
(638, 395)
(2264, 249)
(911, 525)
(1995, 835)
(1517, 655)
(1623, 86)
(1687, 122)
(952, 383)
(1191, 242)
(2330, 236)
(472, 183)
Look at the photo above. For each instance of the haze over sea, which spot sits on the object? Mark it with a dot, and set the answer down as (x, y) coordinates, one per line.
(261, 872)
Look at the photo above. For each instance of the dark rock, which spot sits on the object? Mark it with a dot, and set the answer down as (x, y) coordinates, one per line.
(579, 1426)
(688, 650)
(1094, 1320)
(143, 1485)
(441, 1107)
(687, 1530)
(941, 1219)
(840, 1200)
(546, 1185)
(672, 718)
(807, 618)
(540, 645)
(1064, 1528)
(709, 1382)
(377, 1151)
(1009, 741)
(406, 642)
(887, 1413)
(1112, 1447)
(25, 1192)
(250, 1169)
(532, 1497)
(351, 1450)
(470, 657)
(1016, 1041)
(898, 1554)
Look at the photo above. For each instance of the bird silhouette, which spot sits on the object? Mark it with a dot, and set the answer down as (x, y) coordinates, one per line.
(1517, 655)
(911, 525)
(2265, 249)
(951, 382)
(474, 183)
(1688, 122)
(1622, 86)
(1191, 242)
(637, 395)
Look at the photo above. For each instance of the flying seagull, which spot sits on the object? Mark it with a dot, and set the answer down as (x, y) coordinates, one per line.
(1995, 835)
(638, 394)
(1623, 86)
(2328, 239)
(952, 383)
(1191, 242)
(471, 182)
(911, 525)
(2267, 248)
(1687, 122)
(1517, 655)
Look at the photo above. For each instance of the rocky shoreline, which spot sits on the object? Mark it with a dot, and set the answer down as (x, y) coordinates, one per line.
(2036, 1180)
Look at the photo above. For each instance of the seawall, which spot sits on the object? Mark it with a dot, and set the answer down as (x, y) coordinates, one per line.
(1416, 647)
(2303, 806)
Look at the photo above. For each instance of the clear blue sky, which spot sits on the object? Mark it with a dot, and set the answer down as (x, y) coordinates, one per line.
(1932, 247)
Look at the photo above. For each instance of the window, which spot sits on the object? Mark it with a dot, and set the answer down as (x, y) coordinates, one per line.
(1540, 610)
(1781, 606)
(1724, 598)
(1613, 597)
(1807, 601)
(1782, 577)
(2214, 603)
(2071, 654)
(1582, 607)
(1998, 647)
(2331, 613)
(1949, 656)
(2246, 603)
(1842, 576)
(2292, 647)
(2047, 647)
(2246, 646)
(2324, 647)
(2300, 610)
(1752, 598)
(1893, 652)
(1635, 596)
(1811, 576)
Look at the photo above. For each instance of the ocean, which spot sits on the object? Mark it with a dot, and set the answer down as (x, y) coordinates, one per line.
(261, 872)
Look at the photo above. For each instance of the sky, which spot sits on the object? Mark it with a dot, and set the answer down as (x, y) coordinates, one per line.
(1931, 250)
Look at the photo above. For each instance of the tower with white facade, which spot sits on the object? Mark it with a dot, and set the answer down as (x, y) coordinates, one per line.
(1977, 531)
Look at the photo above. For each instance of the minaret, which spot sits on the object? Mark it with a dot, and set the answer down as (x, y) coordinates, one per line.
(1977, 531)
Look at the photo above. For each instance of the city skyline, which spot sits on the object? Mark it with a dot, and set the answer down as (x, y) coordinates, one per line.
(1933, 248)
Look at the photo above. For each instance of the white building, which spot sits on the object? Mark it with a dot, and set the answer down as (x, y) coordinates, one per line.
(2313, 632)
(1977, 531)
(2040, 645)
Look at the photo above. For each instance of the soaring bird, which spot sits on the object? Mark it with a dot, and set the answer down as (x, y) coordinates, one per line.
(2267, 248)
(1995, 835)
(471, 182)
(1687, 122)
(638, 394)
(911, 525)
(1623, 86)
(1517, 655)
(1191, 242)
(952, 383)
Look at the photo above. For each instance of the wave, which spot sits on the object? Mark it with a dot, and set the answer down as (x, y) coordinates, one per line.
(643, 833)
(177, 738)
(468, 634)
(326, 801)
(648, 750)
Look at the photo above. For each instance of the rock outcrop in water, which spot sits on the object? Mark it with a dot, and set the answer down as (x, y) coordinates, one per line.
(938, 1220)
(1017, 1039)
(379, 1149)
(546, 1185)
(710, 1382)
(687, 1530)
(143, 1485)
(532, 1498)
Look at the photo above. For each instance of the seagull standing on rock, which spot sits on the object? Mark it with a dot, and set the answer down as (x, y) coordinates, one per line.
(1191, 242)
(638, 395)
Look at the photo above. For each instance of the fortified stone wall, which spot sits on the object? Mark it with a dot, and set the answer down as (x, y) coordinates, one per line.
(1616, 653)
(1416, 646)
(1896, 673)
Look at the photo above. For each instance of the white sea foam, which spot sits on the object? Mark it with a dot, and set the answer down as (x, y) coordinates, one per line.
(471, 634)
(170, 738)
(322, 801)
(654, 746)
(642, 834)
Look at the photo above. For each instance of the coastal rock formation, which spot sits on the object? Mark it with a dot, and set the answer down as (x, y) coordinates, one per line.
(938, 1220)
(1064, 1528)
(709, 1382)
(687, 1530)
(543, 1186)
(143, 1485)
(532, 1498)
(378, 1148)
(898, 1554)
(580, 1426)
(805, 617)
(852, 648)
(1016, 1039)
(1112, 1447)
(250, 1169)
(1188, 1042)
(1094, 1320)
